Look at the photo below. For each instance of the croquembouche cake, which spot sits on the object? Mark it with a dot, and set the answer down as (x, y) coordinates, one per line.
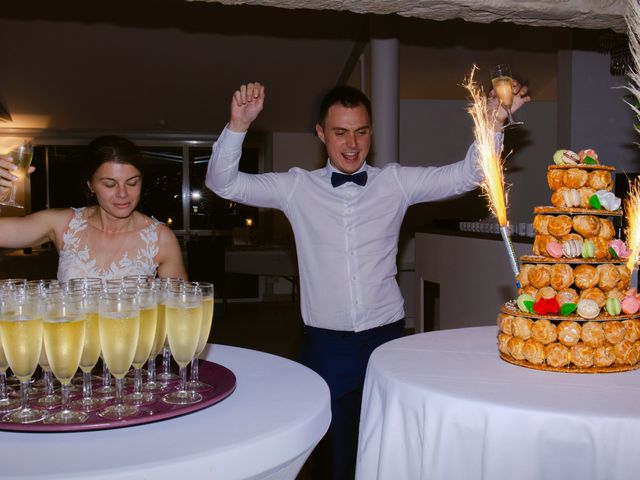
(575, 311)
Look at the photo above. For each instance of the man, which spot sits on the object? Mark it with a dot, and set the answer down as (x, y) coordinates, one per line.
(346, 220)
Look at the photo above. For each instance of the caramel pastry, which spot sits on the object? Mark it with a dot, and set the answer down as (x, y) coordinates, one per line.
(559, 225)
(626, 353)
(540, 224)
(544, 331)
(608, 276)
(632, 330)
(600, 180)
(533, 352)
(557, 355)
(586, 225)
(592, 334)
(572, 237)
(539, 276)
(604, 356)
(567, 295)
(503, 343)
(521, 327)
(555, 178)
(568, 332)
(561, 276)
(523, 275)
(530, 290)
(585, 276)
(601, 248)
(504, 323)
(545, 292)
(540, 244)
(614, 331)
(515, 346)
(582, 355)
(615, 293)
(575, 178)
(594, 294)
(585, 193)
(625, 277)
(606, 229)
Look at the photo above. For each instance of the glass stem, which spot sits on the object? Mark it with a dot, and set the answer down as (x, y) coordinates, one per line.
(194, 369)
(106, 376)
(86, 385)
(48, 382)
(151, 370)
(137, 380)
(3, 386)
(24, 395)
(183, 379)
(65, 389)
(166, 360)
(119, 387)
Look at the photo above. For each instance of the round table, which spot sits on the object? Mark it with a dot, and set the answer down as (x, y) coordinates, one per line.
(265, 429)
(443, 405)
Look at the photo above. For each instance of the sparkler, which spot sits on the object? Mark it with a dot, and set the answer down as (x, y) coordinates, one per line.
(632, 232)
(491, 163)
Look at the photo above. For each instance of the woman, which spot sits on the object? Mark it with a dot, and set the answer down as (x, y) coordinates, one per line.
(110, 239)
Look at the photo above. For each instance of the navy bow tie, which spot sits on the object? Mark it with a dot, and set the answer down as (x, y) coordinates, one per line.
(338, 179)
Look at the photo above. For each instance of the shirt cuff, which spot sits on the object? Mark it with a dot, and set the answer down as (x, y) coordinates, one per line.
(231, 139)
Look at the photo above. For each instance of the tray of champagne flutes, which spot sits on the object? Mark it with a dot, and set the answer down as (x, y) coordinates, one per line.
(89, 342)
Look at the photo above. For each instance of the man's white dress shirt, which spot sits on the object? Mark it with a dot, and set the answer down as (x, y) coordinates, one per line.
(346, 237)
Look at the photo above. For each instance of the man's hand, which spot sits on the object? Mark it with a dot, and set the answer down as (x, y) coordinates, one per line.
(520, 97)
(246, 105)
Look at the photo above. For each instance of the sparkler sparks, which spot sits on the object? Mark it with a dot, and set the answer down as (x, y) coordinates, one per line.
(632, 232)
(488, 154)
(490, 163)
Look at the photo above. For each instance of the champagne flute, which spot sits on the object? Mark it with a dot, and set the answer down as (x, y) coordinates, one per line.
(158, 344)
(502, 82)
(194, 382)
(50, 399)
(64, 332)
(21, 156)
(119, 325)
(21, 332)
(166, 376)
(6, 404)
(148, 304)
(184, 317)
(89, 297)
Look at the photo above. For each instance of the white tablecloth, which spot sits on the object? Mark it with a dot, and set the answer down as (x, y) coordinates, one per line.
(265, 429)
(443, 406)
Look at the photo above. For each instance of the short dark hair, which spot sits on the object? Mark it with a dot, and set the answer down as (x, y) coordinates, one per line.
(346, 96)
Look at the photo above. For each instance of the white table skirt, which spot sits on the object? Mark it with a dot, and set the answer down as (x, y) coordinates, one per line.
(443, 406)
(265, 429)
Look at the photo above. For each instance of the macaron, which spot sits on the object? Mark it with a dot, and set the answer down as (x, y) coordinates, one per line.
(613, 306)
(588, 249)
(565, 157)
(555, 249)
(588, 308)
(572, 248)
(630, 304)
(588, 156)
(525, 302)
(571, 197)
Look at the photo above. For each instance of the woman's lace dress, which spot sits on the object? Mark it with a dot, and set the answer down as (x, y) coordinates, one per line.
(129, 253)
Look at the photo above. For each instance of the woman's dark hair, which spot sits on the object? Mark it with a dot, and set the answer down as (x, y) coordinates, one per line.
(109, 148)
(346, 96)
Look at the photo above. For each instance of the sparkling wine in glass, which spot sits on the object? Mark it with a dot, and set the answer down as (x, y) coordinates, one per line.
(194, 382)
(21, 156)
(64, 332)
(21, 333)
(89, 296)
(119, 324)
(50, 399)
(502, 81)
(147, 302)
(184, 318)
(6, 404)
